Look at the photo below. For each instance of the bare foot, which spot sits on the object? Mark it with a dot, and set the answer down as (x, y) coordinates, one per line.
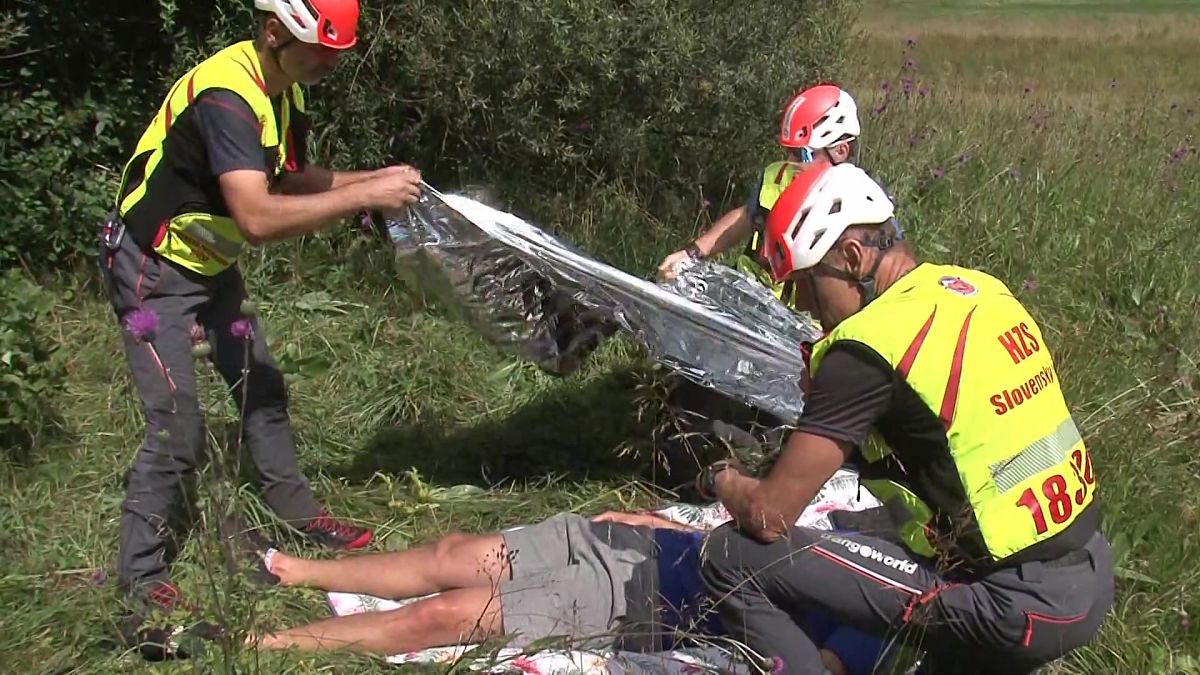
(288, 568)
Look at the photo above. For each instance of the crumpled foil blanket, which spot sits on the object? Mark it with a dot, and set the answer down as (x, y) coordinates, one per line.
(540, 298)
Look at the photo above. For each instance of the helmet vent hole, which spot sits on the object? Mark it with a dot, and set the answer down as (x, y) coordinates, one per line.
(836, 207)
(799, 224)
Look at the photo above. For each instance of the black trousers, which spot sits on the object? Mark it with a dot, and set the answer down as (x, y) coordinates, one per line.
(189, 307)
(1010, 621)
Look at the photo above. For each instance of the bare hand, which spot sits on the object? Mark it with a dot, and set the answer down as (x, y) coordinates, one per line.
(395, 168)
(394, 187)
(634, 519)
(666, 269)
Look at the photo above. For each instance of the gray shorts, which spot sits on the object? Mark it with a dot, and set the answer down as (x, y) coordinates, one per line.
(575, 579)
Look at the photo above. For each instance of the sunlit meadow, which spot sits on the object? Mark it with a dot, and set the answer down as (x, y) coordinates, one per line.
(1050, 144)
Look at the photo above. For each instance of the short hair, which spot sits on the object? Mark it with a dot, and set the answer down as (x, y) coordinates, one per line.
(884, 237)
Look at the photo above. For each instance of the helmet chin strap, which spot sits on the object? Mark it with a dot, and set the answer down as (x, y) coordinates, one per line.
(866, 284)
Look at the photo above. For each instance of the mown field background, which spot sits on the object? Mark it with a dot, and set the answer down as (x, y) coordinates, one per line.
(1050, 143)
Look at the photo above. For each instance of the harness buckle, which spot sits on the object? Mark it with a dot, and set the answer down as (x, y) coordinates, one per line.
(112, 231)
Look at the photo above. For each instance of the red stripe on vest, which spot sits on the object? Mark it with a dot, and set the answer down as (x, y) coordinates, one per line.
(910, 354)
(950, 398)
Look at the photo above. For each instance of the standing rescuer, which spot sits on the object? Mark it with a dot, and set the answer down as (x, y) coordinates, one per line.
(221, 166)
(933, 380)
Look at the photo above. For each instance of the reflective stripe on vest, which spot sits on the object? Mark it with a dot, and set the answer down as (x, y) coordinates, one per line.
(775, 179)
(202, 242)
(977, 359)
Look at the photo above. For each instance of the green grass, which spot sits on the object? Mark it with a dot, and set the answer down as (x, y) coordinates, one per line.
(1018, 8)
(1068, 192)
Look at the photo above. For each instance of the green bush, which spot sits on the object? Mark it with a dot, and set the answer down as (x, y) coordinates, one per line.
(30, 365)
(670, 98)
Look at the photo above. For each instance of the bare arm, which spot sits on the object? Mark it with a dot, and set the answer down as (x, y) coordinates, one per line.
(724, 234)
(644, 520)
(316, 179)
(766, 508)
(262, 216)
(852, 389)
(731, 228)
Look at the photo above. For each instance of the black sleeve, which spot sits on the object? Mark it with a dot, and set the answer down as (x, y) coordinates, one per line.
(301, 125)
(754, 211)
(853, 388)
(230, 131)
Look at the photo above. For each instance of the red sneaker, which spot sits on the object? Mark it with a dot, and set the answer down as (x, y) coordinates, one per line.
(330, 532)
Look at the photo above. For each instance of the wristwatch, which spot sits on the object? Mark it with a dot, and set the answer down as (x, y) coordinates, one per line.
(693, 251)
(706, 482)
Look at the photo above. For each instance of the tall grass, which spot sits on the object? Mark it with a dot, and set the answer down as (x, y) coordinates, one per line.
(1056, 153)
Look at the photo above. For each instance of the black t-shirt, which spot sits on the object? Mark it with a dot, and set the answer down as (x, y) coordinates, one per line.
(230, 132)
(855, 390)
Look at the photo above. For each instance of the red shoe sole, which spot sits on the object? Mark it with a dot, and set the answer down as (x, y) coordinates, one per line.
(362, 541)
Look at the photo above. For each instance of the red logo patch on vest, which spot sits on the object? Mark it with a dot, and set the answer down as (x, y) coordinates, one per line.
(958, 285)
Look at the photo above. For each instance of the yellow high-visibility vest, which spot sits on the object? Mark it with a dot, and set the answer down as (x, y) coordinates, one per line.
(1016, 471)
(172, 215)
(775, 179)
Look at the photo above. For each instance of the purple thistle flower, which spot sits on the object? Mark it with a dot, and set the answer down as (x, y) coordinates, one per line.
(878, 110)
(911, 42)
(906, 85)
(1014, 173)
(141, 323)
(937, 172)
(1029, 89)
(885, 86)
(777, 665)
(99, 576)
(242, 329)
(910, 64)
(1030, 285)
(964, 158)
(923, 92)
(1178, 154)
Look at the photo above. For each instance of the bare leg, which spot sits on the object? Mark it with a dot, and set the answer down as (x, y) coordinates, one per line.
(461, 616)
(454, 561)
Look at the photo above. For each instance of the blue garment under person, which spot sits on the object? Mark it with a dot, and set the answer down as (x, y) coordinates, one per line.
(687, 608)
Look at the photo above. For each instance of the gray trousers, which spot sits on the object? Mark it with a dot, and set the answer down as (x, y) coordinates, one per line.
(1010, 621)
(190, 307)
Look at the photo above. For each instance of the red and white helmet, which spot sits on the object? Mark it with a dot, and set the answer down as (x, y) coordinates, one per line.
(331, 23)
(819, 117)
(815, 209)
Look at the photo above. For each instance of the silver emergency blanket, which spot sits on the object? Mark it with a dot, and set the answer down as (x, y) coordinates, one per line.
(538, 297)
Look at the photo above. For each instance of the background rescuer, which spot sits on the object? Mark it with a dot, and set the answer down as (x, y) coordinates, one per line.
(221, 165)
(999, 564)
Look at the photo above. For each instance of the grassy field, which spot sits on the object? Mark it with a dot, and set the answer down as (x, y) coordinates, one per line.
(1051, 144)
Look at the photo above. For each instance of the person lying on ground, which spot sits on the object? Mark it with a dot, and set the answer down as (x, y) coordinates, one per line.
(627, 581)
